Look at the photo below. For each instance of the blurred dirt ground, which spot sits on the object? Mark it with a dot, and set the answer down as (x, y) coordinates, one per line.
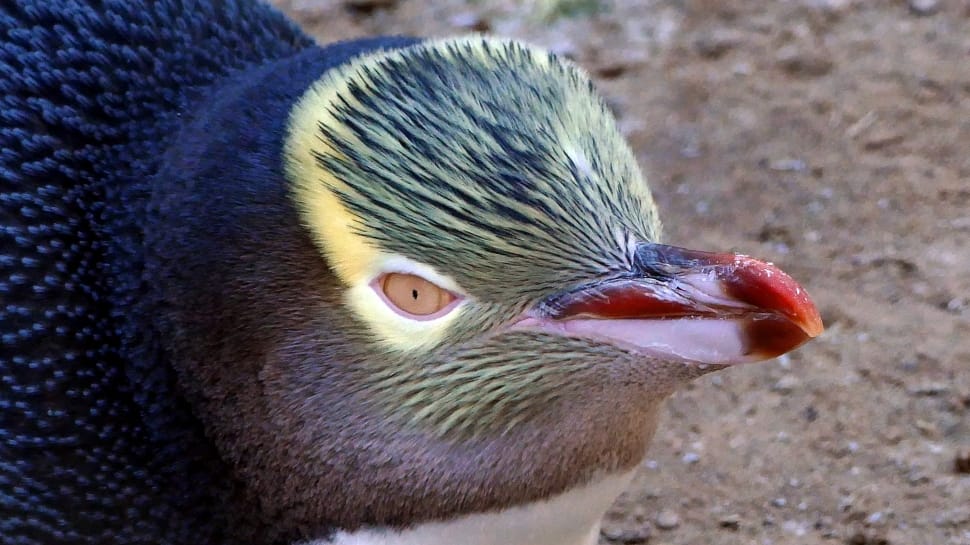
(833, 138)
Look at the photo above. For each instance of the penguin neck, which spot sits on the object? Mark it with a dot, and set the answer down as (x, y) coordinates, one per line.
(570, 518)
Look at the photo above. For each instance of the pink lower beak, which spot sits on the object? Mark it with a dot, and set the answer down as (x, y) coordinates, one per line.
(713, 308)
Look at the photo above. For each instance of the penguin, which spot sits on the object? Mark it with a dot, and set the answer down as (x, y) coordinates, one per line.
(386, 291)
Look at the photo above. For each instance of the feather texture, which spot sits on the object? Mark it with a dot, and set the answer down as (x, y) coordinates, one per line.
(93, 446)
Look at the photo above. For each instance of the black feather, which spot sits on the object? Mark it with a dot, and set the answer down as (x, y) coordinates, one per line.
(95, 445)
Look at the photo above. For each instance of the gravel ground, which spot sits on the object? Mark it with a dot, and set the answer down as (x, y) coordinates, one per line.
(833, 138)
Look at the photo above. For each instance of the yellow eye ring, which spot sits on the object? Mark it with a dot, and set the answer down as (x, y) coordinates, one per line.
(414, 297)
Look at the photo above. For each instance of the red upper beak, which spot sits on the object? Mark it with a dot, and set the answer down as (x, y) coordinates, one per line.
(699, 306)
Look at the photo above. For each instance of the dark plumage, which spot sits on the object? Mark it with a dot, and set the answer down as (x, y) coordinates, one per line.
(94, 446)
(199, 211)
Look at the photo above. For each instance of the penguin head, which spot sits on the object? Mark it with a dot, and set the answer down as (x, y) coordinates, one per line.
(494, 236)
(458, 300)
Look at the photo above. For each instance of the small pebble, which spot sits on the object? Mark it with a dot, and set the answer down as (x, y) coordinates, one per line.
(961, 463)
(928, 389)
(786, 384)
(742, 69)
(927, 428)
(917, 477)
(627, 536)
(611, 70)
(788, 165)
(794, 527)
(923, 7)
(716, 43)
(690, 458)
(784, 361)
(803, 61)
(730, 522)
(667, 520)
(882, 137)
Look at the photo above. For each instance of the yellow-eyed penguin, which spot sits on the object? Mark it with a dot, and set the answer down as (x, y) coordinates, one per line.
(388, 291)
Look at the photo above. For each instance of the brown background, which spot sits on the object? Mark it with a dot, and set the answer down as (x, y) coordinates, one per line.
(831, 137)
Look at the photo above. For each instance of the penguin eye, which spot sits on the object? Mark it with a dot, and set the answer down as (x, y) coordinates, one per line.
(414, 296)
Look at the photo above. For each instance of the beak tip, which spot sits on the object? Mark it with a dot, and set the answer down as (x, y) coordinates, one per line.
(764, 285)
(803, 312)
(814, 326)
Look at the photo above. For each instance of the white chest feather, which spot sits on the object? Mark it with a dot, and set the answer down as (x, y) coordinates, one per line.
(571, 518)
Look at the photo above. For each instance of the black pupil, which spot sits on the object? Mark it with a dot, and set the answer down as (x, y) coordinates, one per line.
(414, 294)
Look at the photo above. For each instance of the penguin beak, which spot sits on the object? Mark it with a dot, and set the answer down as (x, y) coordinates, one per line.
(717, 309)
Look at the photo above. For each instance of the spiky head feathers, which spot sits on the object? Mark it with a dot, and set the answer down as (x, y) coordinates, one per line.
(492, 169)
(487, 160)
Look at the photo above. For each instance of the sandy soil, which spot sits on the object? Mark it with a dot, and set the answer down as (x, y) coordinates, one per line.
(833, 138)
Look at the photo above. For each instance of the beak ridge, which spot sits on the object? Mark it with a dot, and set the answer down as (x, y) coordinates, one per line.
(774, 314)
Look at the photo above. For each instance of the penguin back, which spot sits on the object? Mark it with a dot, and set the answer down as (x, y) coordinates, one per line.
(92, 443)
